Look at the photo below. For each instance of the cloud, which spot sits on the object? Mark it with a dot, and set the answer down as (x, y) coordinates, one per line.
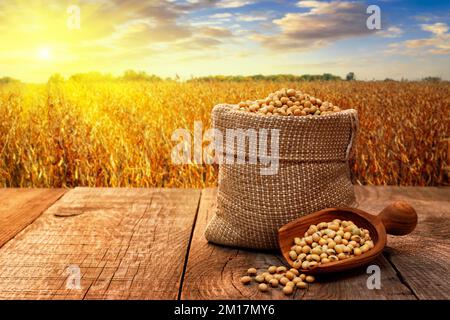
(224, 15)
(138, 32)
(437, 28)
(149, 24)
(206, 23)
(233, 3)
(134, 9)
(432, 17)
(200, 43)
(216, 32)
(324, 23)
(438, 43)
(251, 17)
(391, 32)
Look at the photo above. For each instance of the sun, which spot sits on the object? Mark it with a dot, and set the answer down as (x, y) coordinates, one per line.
(44, 53)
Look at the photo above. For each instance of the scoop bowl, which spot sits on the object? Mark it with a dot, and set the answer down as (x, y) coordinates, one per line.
(399, 218)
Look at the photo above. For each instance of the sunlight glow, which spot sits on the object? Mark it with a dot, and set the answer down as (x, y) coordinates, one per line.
(44, 53)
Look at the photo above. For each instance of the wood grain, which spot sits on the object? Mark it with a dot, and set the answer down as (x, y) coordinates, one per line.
(132, 244)
(128, 244)
(213, 272)
(422, 258)
(20, 207)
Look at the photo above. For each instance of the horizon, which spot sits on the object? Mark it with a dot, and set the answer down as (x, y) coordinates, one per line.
(117, 76)
(197, 38)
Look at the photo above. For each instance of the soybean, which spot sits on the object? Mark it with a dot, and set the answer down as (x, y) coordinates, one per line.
(273, 283)
(252, 272)
(263, 287)
(284, 280)
(281, 269)
(288, 290)
(290, 284)
(289, 275)
(246, 280)
(272, 269)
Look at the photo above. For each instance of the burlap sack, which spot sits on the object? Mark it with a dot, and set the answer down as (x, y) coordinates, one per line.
(313, 174)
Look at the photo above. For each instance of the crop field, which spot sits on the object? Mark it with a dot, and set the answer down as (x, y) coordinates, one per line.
(118, 133)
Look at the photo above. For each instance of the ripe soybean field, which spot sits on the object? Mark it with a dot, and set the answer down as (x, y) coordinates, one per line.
(118, 134)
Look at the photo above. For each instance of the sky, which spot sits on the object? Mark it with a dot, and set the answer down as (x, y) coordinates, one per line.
(230, 37)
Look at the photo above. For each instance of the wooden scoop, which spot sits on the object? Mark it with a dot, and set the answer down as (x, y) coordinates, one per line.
(399, 218)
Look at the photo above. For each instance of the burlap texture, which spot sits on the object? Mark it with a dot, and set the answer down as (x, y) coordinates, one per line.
(313, 174)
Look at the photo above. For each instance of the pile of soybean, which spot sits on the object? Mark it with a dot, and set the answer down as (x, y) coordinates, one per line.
(276, 276)
(328, 242)
(288, 102)
(322, 243)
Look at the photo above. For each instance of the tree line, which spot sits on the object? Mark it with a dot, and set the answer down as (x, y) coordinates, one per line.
(131, 75)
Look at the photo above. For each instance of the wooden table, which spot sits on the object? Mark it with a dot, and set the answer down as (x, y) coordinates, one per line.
(149, 244)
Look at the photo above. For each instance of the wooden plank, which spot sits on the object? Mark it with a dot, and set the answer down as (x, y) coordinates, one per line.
(127, 244)
(213, 272)
(20, 207)
(423, 257)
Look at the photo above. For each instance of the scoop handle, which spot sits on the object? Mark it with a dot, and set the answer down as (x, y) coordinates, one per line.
(399, 218)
